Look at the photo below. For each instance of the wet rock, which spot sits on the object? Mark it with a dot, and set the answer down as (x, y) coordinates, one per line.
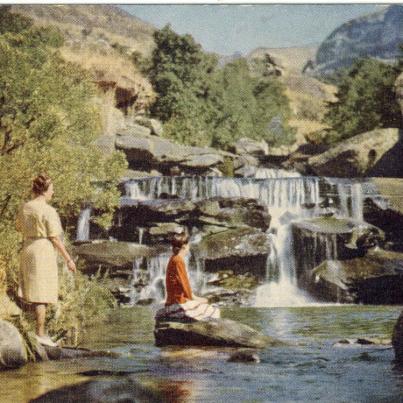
(161, 232)
(318, 239)
(244, 356)
(217, 332)
(227, 279)
(397, 339)
(241, 250)
(375, 153)
(227, 297)
(12, 348)
(360, 280)
(112, 254)
(102, 391)
(385, 210)
(233, 212)
(363, 341)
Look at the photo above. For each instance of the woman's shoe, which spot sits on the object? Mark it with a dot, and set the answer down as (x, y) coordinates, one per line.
(46, 341)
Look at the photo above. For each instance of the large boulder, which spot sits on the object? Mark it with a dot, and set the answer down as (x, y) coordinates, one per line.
(241, 250)
(321, 238)
(377, 35)
(375, 153)
(397, 339)
(384, 209)
(215, 332)
(247, 145)
(12, 348)
(112, 254)
(376, 278)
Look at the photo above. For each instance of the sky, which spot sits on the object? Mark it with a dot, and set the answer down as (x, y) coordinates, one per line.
(226, 29)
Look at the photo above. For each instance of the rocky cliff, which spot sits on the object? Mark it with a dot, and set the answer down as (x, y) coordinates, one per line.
(376, 35)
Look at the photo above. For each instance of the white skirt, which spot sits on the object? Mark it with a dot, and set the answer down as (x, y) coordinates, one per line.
(191, 310)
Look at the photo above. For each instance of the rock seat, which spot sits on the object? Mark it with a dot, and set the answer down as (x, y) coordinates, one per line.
(215, 332)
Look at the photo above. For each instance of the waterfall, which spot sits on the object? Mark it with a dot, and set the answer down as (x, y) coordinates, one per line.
(288, 198)
(83, 225)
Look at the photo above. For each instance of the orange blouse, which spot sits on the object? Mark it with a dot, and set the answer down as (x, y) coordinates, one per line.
(177, 282)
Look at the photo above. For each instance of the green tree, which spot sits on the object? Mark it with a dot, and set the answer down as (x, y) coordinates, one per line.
(365, 100)
(249, 105)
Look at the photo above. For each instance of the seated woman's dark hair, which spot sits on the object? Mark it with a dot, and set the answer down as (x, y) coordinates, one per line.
(41, 183)
(178, 240)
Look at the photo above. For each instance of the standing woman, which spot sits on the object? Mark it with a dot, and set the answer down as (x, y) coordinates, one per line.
(41, 230)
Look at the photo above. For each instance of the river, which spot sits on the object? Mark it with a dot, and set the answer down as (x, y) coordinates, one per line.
(310, 368)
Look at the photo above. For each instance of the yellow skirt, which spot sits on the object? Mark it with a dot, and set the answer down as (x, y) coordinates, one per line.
(38, 271)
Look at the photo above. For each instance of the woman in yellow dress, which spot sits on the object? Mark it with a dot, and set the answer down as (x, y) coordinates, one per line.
(41, 229)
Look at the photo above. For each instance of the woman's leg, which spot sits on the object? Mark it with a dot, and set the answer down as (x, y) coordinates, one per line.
(40, 314)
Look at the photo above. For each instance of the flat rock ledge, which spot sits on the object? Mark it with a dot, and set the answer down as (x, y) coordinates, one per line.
(215, 332)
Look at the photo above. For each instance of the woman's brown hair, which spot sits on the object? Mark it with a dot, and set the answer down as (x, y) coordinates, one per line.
(41, 183)
(179, 240)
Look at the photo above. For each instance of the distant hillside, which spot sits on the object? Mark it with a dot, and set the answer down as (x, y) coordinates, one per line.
(109, 20)
(376, 35)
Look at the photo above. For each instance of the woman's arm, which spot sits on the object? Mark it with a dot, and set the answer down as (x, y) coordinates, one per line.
(58, 244)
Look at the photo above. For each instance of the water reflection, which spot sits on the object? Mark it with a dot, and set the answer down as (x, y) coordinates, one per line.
(309, 368)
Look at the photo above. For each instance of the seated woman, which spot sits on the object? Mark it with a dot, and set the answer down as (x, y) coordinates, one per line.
(181, 304)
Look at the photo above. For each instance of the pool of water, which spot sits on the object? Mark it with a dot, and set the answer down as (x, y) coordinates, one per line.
(309, 368)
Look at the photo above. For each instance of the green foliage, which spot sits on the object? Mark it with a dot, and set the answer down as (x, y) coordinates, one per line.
(10, 22)
(204, 105)
(82, 303)
(249, 106)
(48, 123)
(366, 100)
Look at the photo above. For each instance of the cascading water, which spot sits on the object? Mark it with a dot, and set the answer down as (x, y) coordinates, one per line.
(83, 225)
(288, 199)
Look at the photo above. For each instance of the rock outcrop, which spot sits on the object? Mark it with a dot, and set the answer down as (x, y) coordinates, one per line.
(215, 332)
(241, 250)
(13, 353)
(376, 278)
(376, 35)
(375, 153)
(318, 239)
(149, 151)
